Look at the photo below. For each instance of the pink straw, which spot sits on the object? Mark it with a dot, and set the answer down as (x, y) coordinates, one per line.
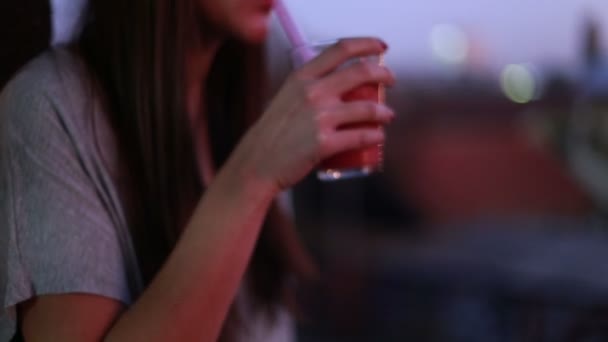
(293, 32)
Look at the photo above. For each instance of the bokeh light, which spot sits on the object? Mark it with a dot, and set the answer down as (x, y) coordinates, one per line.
(450, 44)
(518, 83)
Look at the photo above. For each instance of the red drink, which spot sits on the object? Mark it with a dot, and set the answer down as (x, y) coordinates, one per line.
(356, 162)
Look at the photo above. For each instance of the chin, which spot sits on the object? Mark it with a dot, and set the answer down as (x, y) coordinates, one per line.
(257, 37)
(255, 33)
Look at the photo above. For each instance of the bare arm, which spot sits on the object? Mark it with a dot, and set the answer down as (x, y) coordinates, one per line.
(189, 298)
(68, 317)
(198, 283)
(52, 317)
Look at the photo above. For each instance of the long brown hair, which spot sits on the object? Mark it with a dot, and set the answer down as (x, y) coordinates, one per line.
(136, 50)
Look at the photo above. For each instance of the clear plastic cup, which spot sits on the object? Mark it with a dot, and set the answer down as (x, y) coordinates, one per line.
(355, 163)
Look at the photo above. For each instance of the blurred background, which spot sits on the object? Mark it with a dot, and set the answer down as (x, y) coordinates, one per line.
(488, 222)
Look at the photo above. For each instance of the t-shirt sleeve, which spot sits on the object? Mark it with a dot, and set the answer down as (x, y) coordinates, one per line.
(56, 236)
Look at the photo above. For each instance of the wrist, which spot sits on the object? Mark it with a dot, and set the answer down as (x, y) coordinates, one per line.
(243, 176)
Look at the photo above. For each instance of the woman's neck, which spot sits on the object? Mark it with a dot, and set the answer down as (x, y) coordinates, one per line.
(198, 65)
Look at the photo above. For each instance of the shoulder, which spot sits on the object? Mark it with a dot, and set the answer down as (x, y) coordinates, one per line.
(50, 73)
(54, 86)
(53, 106)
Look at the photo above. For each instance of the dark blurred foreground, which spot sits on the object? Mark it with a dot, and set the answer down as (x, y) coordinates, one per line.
(488, 223)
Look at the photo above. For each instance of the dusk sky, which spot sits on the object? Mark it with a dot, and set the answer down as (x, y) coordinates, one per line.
(544, 32)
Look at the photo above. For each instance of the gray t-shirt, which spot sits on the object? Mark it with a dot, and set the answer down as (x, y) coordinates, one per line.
(62, 222)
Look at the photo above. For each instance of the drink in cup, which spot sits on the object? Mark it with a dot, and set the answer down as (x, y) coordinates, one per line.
(355, 163)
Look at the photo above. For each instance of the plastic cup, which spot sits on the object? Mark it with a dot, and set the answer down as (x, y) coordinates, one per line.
(354, 163)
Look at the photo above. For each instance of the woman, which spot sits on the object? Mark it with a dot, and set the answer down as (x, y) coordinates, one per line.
(106, 149)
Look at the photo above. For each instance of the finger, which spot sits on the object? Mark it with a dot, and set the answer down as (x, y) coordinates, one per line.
(358, 112)
(352, 139)
(341, 52)
(353, 76)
